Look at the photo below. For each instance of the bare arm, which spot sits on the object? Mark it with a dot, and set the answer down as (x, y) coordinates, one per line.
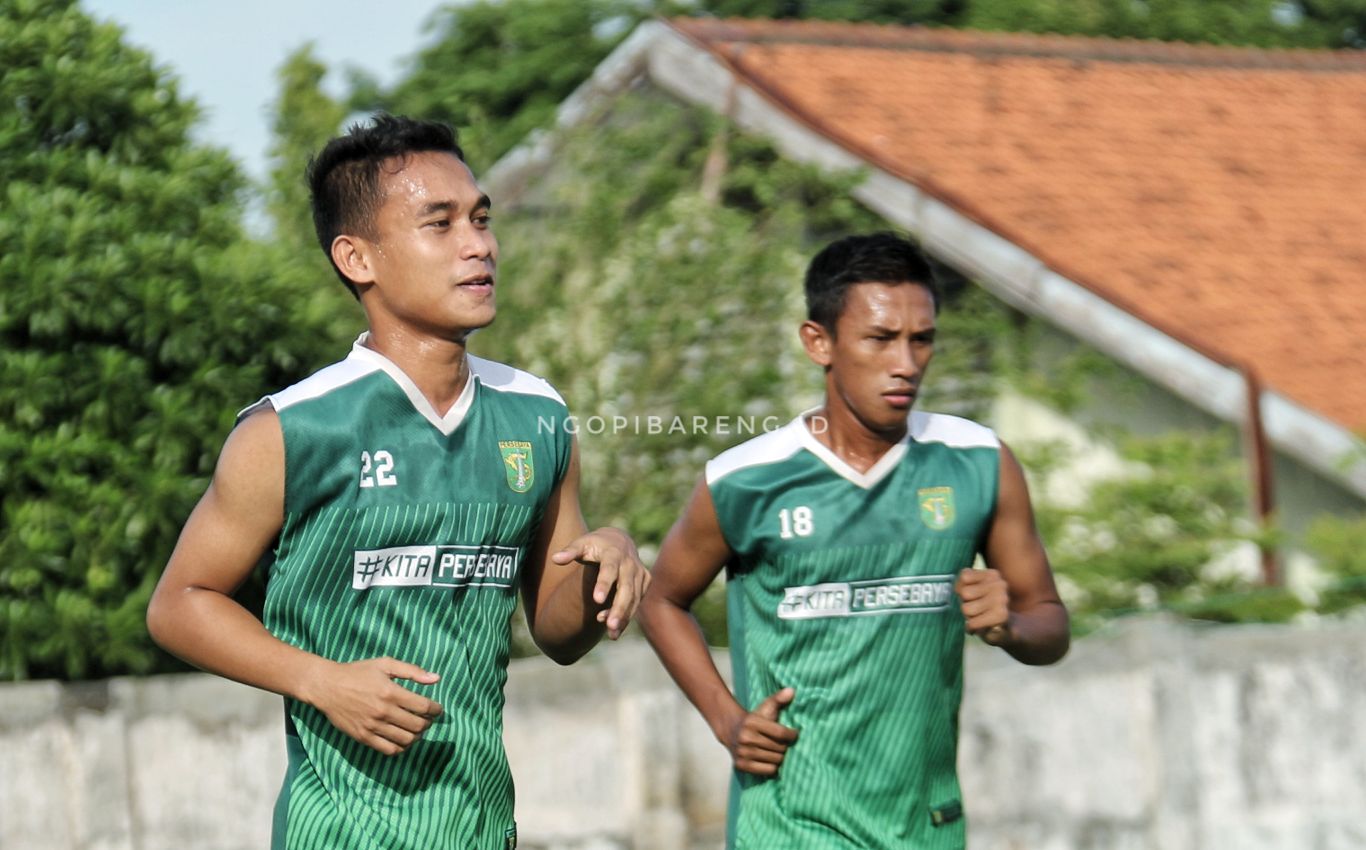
(1014, 603)
(192, 613)
(579, 585)
(690, 558)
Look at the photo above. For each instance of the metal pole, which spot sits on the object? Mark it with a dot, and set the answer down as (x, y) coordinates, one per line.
(1261, 472)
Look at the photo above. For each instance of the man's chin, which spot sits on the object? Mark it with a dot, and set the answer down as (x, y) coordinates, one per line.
(893, 421)
(460, 329)
(481, 318)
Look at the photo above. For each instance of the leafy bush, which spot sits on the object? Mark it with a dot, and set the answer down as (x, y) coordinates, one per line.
(1161, 537)
(1340, 546)
(134, 320)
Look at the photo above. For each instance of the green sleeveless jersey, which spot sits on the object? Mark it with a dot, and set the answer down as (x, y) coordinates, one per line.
(404, 535)
(841, 587)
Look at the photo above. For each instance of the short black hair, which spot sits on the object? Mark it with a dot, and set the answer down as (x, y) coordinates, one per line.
(883, 257)
(344, 178)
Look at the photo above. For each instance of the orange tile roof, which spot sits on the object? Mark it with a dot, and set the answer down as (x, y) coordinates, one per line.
(1219, 194)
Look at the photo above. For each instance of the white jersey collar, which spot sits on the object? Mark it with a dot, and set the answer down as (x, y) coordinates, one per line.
(866, 480)
(445, 424)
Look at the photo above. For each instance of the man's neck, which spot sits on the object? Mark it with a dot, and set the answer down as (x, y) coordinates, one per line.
(436, 366)
(851, 440)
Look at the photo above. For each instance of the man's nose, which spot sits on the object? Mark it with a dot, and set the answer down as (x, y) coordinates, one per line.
(478, 245)
(904, 363)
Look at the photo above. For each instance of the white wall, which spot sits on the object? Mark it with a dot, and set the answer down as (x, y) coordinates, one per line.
(1155, 735)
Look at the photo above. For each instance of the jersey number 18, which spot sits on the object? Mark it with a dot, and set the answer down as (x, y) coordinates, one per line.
(795, 523)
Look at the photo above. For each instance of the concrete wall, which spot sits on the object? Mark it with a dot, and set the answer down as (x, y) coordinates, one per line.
(1155, 736)
(1162, 737)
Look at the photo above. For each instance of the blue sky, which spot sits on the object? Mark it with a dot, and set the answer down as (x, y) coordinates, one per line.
(226, 53)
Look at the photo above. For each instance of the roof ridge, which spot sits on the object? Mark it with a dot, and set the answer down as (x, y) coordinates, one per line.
(715, 31)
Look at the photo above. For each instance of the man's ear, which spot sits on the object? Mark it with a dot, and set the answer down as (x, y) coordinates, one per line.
(818, 342)
(353, 256)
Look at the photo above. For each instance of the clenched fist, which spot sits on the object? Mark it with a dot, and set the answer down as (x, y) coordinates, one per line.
(758, 741)
(986, 604)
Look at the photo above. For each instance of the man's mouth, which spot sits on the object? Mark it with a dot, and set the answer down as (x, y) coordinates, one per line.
(477, 283)
(900, 398)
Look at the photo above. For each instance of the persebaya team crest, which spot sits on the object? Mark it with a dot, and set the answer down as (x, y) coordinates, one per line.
(936, 507)
(517, 464)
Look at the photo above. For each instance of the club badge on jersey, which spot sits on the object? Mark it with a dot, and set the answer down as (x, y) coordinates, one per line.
(936, 507)
(518, 465)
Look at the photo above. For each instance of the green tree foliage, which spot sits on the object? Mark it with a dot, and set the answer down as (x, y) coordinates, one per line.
(134, 319)
(1342, 21)
(1264, 23)
(1159, 537)
(903, 12)
(302, 119)
(498, 70)
(1340, 546)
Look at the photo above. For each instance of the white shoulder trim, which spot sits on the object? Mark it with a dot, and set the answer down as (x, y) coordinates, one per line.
(952, 431)
(320, 383)
(508, 379)
(766, 448)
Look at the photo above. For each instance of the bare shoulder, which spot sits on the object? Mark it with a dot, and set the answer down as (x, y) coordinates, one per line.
(694, 550)
(239, 515)
(1014, 489)
(251, 467)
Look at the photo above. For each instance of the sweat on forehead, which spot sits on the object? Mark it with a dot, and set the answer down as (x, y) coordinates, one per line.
(429, 182)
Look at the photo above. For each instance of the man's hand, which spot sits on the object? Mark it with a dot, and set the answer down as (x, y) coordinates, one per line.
(986, 604)
(362, 700)
(758, 741)
(622, 578)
